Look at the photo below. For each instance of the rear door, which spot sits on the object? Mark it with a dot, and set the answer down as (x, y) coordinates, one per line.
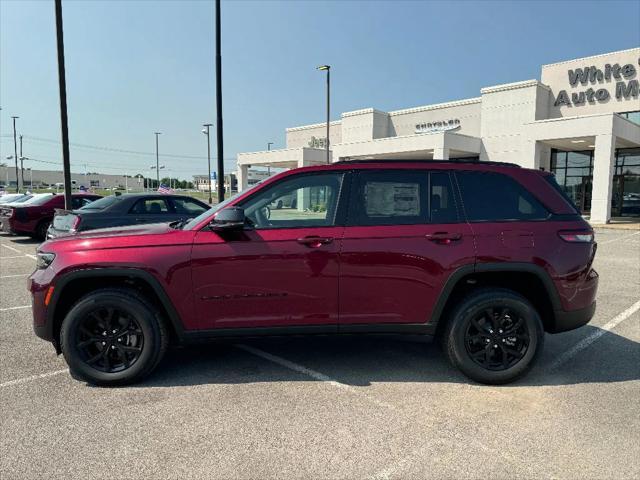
(507, 220)
(403, 239)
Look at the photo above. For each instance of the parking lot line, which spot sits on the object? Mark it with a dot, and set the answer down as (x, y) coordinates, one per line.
(11, 248)
(619, 238)
(313, 374)
(14, 308)
(14, 256)
(18, 381)
(585, 342)
(14, 276)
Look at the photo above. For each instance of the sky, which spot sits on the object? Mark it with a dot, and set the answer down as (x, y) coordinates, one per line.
(135, 67)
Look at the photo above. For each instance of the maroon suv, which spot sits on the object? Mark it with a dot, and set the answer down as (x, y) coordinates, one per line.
(34, 217)
(485, 256)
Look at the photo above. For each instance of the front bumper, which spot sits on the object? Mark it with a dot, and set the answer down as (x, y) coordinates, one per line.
(570, 320)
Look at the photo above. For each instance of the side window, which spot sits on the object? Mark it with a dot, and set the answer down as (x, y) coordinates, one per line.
(391, 197)
(495, 197)
(150, 206)
(442, 206)
(301, 201)
(185, 206)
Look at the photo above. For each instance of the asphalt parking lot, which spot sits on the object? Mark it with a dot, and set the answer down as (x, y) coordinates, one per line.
(350, 407)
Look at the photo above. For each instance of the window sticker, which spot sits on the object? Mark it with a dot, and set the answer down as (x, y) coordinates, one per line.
(392, 199)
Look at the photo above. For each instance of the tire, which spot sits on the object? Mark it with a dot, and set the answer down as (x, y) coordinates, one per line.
(113, 337)
(41, 229)
(484, 355)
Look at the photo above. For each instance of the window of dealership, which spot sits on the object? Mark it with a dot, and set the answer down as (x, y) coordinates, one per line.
(581, 121)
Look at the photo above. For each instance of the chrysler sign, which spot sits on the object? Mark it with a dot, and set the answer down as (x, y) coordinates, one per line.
(440, 126)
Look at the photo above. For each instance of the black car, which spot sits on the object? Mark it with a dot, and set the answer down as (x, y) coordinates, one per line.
(126, 209)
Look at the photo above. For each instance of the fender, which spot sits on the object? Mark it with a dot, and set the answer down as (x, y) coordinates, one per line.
(136, 273)
(465, 270)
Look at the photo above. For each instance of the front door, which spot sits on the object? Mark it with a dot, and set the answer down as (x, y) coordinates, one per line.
(402, 241)
(282, 270)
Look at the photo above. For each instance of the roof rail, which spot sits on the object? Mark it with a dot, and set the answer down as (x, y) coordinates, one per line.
(452, 160)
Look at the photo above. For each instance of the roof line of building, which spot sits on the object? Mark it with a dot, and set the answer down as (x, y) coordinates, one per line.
(592, 56)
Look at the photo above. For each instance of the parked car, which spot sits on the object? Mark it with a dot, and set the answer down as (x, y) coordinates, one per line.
(34, 216)
(484, 256)
(126, 209)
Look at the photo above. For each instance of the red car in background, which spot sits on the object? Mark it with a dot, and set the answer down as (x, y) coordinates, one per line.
(34, 218)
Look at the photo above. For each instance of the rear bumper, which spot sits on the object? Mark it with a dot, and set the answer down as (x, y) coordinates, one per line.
(565, 321)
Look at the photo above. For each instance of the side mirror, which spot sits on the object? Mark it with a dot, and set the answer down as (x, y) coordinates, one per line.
(228, 219)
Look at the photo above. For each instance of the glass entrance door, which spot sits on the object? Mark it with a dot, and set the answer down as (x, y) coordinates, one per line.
(574, 173)
(625, 199)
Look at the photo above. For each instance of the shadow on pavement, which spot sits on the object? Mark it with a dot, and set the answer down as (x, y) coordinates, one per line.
(364, 360)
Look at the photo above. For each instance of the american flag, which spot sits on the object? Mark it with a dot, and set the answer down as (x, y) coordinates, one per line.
(164, 189)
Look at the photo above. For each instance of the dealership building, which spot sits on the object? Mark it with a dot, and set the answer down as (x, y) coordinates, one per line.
(581, 120)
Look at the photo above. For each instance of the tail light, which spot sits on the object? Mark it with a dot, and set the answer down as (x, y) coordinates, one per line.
(577, 236)
(75, 224)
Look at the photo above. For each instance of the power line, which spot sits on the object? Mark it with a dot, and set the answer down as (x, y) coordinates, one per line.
(115, 150)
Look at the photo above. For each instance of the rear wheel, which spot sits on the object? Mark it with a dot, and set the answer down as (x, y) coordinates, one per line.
(494, 336)
(113, 337)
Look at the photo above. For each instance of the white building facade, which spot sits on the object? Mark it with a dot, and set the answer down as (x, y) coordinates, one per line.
(581, 120)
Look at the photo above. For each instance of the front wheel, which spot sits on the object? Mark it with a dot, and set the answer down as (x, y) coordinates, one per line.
(494, 336)
(112, 337)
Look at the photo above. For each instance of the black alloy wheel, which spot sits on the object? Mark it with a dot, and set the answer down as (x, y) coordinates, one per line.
(113, 336)
(497, 338)
(494, 335)
(109, 339)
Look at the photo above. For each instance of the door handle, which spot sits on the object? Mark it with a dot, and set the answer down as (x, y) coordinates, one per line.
(443, 238)
(315, 242)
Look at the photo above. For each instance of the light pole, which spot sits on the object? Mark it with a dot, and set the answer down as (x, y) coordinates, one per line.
(219, 138)
(327, 68)
(22, 164)
(157, 169)
(269, 146)
(15, 152)
(205, 130)
(22, 159)
(64, 118)
(157, 158)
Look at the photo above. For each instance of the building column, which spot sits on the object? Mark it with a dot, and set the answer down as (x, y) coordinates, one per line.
(603, 169)
(243, 177)
(532, 155)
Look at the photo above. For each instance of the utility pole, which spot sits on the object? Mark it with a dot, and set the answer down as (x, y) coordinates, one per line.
(21, 165)
(15, 153)
(64, 121)
(219, 108)
(157, 159)
(205, 130)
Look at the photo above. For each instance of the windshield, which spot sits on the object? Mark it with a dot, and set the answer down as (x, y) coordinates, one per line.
(194, 222)
(102, 203)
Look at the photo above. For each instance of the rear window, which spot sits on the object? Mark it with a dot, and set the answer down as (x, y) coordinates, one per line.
(102, 203)
(488, 196)
(551, 179)
(63, 222)
(42, 200)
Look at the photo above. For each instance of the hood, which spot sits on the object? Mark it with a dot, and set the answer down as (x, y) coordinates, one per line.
(129, 230)
(134, 236)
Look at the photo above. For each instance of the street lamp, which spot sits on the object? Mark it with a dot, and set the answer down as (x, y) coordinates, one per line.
(157, 158)
(205, 130)
(327, 68)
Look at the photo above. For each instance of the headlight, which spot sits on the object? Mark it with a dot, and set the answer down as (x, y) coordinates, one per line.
(43, 260)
